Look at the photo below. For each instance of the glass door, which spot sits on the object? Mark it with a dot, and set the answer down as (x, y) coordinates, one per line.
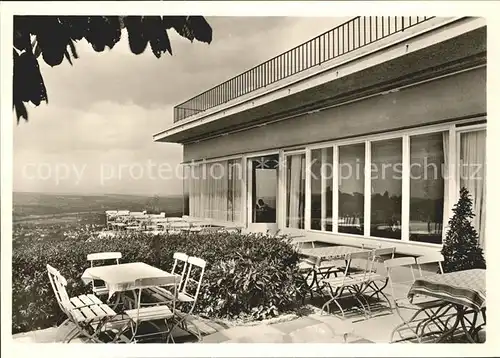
(263, 193)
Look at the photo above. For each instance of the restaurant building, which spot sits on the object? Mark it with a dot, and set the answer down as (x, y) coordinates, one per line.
(362, 135)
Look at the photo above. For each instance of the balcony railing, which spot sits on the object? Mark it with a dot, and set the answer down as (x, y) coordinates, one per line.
(351, 35)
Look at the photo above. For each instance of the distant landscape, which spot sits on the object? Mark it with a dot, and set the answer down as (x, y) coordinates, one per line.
(33, 206)
(55, 217)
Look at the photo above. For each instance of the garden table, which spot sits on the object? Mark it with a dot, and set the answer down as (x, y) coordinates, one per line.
(121, 278)
(465, 290)
(329, 253)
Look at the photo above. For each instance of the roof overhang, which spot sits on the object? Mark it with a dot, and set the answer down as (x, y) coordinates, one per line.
(447, 46)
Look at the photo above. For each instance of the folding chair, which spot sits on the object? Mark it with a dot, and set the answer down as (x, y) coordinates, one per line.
(378, 280)
(153, 313)
(101, 289)
(423, 307)
(352, 283)
(87, 312)
(188, 295)
(178, 268)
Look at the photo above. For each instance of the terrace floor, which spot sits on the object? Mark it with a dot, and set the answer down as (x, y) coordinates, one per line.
(309, 328)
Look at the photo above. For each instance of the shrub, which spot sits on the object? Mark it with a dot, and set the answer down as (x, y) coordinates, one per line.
(461, 249)
(250, 275)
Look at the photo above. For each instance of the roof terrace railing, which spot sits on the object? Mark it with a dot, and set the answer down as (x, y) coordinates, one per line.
(347, 37)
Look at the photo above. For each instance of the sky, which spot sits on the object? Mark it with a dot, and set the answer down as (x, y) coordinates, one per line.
(95, 134)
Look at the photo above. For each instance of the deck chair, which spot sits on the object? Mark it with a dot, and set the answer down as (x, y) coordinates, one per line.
(153, 313)
(179, 268)
(423, 308)
(87, 312)
(348, 285)
(188, 296)
(100, 289)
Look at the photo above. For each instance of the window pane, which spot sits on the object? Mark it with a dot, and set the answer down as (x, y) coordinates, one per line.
(295, 190)
(321, 189)
(427, 187)
(351, 189)
(186, 189)
(473, 176)
(386, 188)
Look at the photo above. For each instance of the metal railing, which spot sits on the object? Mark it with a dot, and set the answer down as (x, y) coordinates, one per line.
(347, 37)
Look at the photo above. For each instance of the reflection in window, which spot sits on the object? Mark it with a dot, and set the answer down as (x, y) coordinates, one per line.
(351, 189)
(321, 168)
(427, 187)
(386, 186)
(295, 190)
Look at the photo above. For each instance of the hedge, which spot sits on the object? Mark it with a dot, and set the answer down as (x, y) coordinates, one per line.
(252, 276)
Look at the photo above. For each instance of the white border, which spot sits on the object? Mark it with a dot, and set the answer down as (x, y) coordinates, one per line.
(439, 8)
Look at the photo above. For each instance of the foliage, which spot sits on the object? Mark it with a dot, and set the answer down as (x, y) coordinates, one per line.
(247, 275)
(461, 249)
(54, 38)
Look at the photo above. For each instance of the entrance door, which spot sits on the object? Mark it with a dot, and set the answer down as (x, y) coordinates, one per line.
(263, 193)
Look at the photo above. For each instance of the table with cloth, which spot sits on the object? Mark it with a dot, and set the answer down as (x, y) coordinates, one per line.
(123, 277)
(465, 291)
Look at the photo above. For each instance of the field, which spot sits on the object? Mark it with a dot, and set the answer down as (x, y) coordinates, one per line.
(46, 217)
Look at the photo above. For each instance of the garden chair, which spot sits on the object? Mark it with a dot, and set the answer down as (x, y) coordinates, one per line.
(100, 289)
(154, 313)
(87, 312)
(378, 277)
(178, 268)
(188, 295)
(423, 308)
(349, 285)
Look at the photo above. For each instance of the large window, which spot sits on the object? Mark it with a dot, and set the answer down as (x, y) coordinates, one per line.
(427, 187)
(215, 190)
(351, 174)
(386, 185)
(321, 169)
(400, 187)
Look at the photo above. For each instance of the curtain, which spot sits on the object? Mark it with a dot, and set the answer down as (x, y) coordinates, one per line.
(473, 176)
(295, 192)
(446, 176)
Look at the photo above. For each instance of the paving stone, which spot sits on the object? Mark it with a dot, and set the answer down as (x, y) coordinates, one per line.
(318, 333)
(290, 326)
(218, 337)
(252, 331)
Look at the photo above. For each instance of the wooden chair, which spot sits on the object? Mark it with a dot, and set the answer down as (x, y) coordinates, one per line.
(100, 289)
(350, 283)
(154, 313)
(178, 268)
(87, 312)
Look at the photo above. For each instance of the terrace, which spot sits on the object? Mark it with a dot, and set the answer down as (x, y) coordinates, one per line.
(337, 43)
(360, 314)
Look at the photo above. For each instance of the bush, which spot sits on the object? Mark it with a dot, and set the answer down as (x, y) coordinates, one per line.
(246, 275)
(461, 250)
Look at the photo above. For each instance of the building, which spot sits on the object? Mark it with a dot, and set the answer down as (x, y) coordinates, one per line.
(362, 135)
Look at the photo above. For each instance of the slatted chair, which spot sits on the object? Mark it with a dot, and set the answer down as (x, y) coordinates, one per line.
(87, 312)
(423, 308)
(379, 278)
(352, 284)
(153, 313)
(179, 268)
(188, 295)
(100, 289)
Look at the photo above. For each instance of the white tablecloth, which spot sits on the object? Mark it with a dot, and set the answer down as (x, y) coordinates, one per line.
(122, 277)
